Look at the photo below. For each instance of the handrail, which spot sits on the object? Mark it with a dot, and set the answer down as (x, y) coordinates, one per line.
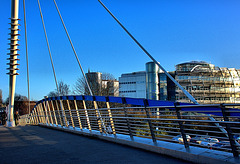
(156, 120)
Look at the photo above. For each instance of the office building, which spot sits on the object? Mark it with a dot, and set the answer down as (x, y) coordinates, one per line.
(133, 85)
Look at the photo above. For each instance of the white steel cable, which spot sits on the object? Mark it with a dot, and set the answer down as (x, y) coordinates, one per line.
(150, 56)
(48, 47)
(91, 93)
(25, 28)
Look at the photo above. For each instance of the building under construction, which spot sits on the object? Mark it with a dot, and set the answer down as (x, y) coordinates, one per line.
(207, 83)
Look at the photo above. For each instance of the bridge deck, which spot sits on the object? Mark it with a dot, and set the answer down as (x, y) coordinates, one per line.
(33, 144)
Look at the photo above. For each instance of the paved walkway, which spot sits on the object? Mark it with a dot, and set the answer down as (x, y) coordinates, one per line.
(33, 144)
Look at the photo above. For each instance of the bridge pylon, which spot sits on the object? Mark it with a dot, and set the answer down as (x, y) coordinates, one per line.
(13, 61)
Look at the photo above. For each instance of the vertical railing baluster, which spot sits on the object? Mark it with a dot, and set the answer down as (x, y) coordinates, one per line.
(36, 115)
(63, 113)
(39, 114)
(33, 114)
(78, 116)
(32, 119)
(110, 116)
(45, 109)
(49, 110)
(98, 117)
(186, 144)
(126, 115)
(229, 131)
(43, 113)
(59, 113)
(55, 117)
(70, 113)
(150, 122)
(86, 114)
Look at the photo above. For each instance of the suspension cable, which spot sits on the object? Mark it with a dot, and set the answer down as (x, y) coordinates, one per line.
(25, 28)
(48, 47)
(150, 56)
(91, 93)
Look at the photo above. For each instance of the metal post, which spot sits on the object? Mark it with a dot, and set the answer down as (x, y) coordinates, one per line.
(149, 122)
(70, 113)
(33, 115)
(229, 131)
(78, 116)
(48, 109)
(110, 118)
(46, 115)
(59, 114)
(126, 116)
(181, 127)
(86, 114)
(63, 113)
(13, 61)
(36, 115)
(54, 113)
(98, 117)
(40, 114)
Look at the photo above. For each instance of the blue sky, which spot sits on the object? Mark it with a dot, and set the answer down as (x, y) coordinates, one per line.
(172, 31)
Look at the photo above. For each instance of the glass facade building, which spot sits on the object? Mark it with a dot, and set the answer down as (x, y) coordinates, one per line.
(152, 81)
(133, 85)
(207, 83)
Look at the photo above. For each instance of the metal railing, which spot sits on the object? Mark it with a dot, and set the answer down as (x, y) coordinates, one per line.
(208, 126)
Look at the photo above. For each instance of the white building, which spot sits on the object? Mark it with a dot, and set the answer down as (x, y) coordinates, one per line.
(133, 85)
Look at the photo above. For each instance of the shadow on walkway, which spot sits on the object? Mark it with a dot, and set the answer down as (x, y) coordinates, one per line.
(33, 144)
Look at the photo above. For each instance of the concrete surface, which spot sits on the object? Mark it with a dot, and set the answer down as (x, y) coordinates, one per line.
(33, 144)
(175, 150)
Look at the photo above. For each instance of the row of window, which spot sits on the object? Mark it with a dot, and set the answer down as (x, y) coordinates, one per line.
(207, 98)
(207, 78)
(128, 82)
(127, 91)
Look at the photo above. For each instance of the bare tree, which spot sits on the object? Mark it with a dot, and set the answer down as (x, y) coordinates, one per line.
(63, 90)
(107, 86)
(20, 103)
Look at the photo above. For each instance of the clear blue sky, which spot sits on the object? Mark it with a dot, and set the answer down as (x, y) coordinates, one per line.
(173, 31)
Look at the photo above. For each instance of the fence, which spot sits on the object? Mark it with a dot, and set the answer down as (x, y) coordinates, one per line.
(208, 126)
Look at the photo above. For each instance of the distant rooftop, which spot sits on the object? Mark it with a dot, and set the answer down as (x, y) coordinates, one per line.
(133, 73)
(194, 62)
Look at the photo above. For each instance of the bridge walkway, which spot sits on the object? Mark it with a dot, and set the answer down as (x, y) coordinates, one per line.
(33, 144)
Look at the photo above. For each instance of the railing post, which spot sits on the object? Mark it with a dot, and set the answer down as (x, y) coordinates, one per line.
(32, 118)
(47, 119)
(70, 113)
(150, 122)
(229, 131)
(36, 115)
(59, 114)
(126, 115)
(63, 113)
(98, 115)
(43, 114)
(78, 116)
(39, 114)
(86, 114)
(54, 112)
(186, 144)
(49, 110)
(110, 116)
